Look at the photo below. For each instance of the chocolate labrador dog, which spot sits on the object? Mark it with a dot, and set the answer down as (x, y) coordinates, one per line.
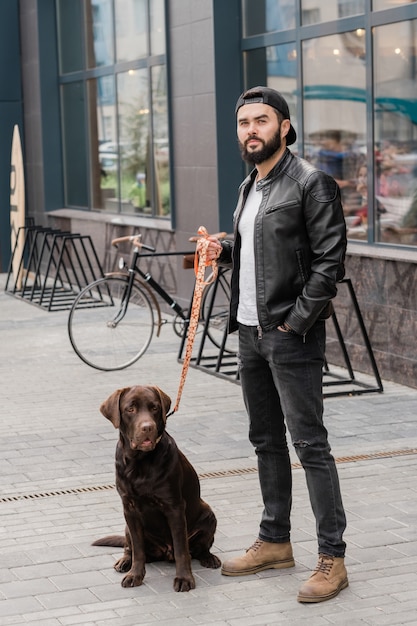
(166, 519)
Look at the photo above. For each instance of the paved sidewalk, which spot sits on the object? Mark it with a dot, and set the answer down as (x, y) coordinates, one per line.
(57, 494)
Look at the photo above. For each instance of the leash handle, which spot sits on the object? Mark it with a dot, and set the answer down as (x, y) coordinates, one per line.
(200, 264)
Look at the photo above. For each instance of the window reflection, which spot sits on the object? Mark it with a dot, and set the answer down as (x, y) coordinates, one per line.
(263, 16)
(99, 32)
(70, 28)
(74, 131)
(105, 168)
(396, 132)
(324, 11)
(377, 5)
(335, 117)
(135, 149)
(131, 29)
(85, 34)
(157, 26)
(160, 141)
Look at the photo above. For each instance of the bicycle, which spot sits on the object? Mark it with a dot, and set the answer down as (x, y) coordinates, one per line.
(112, 320)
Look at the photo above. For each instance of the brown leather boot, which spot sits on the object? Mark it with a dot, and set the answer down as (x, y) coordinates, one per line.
(326, 581)
(261, 555)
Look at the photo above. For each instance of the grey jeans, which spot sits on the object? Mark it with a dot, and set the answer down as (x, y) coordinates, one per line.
(281, 376)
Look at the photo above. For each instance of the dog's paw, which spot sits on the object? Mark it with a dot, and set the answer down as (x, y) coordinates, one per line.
(211, 561)
(184, 583)
(133, 580)
(123, 564)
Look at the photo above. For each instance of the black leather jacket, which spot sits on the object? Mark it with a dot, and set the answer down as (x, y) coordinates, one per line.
(300, 245)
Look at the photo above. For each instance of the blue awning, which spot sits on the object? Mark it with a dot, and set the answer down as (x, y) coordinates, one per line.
(392, 104)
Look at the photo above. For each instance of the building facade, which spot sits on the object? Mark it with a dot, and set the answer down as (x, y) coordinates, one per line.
(126, 111)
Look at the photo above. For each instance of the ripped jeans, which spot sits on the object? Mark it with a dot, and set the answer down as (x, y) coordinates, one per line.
(281, 376)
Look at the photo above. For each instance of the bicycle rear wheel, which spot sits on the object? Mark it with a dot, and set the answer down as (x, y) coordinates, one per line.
(103, 332)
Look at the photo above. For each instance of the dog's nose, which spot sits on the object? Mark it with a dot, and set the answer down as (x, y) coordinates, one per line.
(147, 427)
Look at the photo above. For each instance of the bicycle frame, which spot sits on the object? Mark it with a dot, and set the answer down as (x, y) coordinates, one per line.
(150, 285)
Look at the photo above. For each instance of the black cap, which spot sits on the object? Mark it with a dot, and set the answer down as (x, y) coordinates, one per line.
(266, 95)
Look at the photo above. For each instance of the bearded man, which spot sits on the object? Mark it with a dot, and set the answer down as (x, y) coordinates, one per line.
(287, 256)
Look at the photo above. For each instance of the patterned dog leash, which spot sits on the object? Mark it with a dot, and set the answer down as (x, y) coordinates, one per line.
(200, 264)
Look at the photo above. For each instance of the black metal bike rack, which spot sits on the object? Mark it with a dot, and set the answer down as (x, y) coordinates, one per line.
(53, 267)
(339, 381)
(333, 378)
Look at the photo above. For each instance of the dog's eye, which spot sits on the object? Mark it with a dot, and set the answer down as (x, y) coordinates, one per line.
(130, 409)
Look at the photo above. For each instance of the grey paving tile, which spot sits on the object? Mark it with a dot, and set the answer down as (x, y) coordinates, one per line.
(58, 614)
(22, 589)
(38, 571)
(9, 607)
(76, 597)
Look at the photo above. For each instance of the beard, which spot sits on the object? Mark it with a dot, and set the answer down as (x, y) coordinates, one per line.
(269, 148)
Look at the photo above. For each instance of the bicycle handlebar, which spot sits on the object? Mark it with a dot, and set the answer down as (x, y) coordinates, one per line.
(135, 240)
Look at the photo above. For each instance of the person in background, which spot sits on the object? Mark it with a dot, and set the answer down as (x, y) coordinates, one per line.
(334, 159)
(286, 256)
(339, 161)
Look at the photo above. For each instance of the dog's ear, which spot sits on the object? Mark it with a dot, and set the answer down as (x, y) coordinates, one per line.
(110, 408)
(165, 399)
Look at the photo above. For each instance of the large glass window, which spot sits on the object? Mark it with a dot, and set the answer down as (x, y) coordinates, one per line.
(395, 111)
(358, 105)
(115, 121)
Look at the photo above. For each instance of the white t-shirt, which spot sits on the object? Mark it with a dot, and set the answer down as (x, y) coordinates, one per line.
(247, 313)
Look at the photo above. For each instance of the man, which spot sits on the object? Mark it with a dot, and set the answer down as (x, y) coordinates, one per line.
(287, 256)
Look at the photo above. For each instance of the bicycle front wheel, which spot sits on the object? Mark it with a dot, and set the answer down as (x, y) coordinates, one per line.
(106, 332)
